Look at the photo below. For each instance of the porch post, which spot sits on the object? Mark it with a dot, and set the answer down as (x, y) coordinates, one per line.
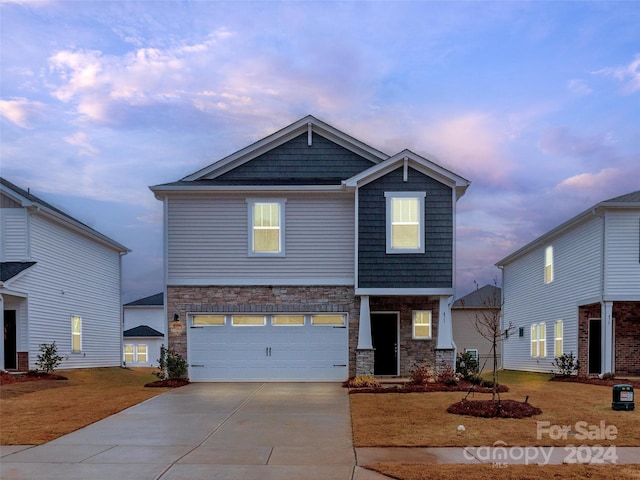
(445, 328)
(364, 326)
(607, 338)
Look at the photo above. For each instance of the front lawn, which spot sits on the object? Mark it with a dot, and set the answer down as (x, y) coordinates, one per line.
(32, 413)
(420, 419)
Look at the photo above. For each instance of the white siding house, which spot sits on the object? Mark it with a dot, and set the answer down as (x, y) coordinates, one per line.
(576, 289)
(144, 331)
(60, 282)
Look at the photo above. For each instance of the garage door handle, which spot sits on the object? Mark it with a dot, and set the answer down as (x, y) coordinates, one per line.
(340, 365)
(267, 351)
(197, 365)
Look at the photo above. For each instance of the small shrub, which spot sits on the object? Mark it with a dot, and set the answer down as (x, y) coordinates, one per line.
(567, 364)
(363, 381)
(608, 376)
(49, 359)
(446, 374)
(171, 365)
(486, 383)
(421, 375)
(466, 365)
(475, 379)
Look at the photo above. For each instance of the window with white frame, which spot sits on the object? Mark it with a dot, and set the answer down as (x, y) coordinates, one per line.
(421, 325)
(266, 227)
(558, 345)
(473, 353)
(548, 265)
(538, 340)
(135, 353)
(76, 334)
(405, 222)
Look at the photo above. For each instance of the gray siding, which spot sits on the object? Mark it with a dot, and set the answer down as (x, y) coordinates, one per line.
(13, 228)
(73, 276)
(208, 242)
(295, 161)
(528, 300)
(622, 261)
(376, 268)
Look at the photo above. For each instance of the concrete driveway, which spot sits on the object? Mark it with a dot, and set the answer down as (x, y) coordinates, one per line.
(207, 431)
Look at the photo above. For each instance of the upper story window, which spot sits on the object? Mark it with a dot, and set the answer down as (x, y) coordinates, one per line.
(548, 265)
(266, 227)
(405, 222)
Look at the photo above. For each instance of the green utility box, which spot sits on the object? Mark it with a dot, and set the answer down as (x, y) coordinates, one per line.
(623, 397)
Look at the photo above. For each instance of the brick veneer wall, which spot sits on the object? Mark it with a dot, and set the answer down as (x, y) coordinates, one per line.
(412, 352)
(23, 361)
(584, 314)
(260, 299)
(627, 332)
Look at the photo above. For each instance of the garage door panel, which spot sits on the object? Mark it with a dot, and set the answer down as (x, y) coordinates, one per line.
(268, 353)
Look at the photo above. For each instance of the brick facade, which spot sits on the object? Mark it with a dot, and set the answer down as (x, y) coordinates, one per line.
(413, 353)
(294, 299)
(626, 317)
(23, 361)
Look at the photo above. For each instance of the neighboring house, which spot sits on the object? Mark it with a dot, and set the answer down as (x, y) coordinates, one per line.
(144, 327)
(59, 282)
(481, 305)
(576, 289)
(309, 255)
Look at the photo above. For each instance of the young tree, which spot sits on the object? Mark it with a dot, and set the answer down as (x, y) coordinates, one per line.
(489, 325)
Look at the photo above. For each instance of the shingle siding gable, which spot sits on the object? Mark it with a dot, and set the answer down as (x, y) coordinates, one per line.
(323, 162)
(434, 268)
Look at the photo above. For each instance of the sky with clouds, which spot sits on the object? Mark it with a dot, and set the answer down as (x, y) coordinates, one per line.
(537, 103)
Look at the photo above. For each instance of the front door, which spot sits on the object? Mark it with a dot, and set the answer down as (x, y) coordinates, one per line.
(384, 336)
(595, 345)
(10, 345)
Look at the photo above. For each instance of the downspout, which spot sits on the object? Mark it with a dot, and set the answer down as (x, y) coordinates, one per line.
(122, 254)
(2, 342)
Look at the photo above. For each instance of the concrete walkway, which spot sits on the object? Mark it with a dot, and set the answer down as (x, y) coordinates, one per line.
(206, 431)
(246, 431)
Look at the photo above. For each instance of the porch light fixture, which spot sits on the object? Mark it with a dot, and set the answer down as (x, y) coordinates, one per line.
(176, 317)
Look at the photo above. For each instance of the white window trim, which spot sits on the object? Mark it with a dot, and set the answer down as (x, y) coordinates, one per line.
(413, 325)
(421, 196)
(251, 202)
(475, 352)
(556, 338)
(537, 339)
(73, 334)
(135, 352)
(548, 264)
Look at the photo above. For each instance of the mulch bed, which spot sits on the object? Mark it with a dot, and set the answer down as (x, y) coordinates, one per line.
(461, 386)
(6, 378)
(489, 409)
(595, 380)
(170, 383)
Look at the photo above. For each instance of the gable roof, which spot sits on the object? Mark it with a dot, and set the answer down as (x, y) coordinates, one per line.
(628, 200)
(142, 331)
(479, 298)
(9, 270)
(413, 160)
(28, 200)
(156, 300)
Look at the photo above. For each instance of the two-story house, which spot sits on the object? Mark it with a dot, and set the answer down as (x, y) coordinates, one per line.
(577, 289)
(144, 325)
(310, 255)
(59, 282)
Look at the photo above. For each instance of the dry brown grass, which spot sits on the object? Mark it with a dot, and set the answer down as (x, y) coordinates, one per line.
(420, 419)
(33, 413)
(510, 472)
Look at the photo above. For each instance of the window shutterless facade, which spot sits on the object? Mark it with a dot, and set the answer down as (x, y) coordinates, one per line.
(405, 222)
(548, 265)
(538, 340)
(76, 334)
(421, 328)
(266, 227)
(135, 353)
(558, 344)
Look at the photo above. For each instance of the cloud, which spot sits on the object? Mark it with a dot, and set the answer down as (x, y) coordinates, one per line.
(590, 181)
(21, 111)
(628, 75)
(562, 141)
(80, 139)
(578, 87)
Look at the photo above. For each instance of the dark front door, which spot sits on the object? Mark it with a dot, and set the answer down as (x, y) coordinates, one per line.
(384, 335)
(10, 355)
(595, 345)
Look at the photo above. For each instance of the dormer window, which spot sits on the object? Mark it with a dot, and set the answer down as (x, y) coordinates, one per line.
(405, 222)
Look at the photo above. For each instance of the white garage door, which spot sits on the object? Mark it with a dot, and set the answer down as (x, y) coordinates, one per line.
(250, 347)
